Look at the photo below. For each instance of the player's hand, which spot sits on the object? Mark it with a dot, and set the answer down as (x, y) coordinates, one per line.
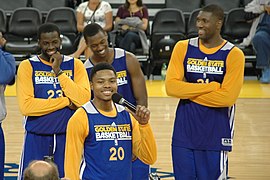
(56, 60)
(142, 114)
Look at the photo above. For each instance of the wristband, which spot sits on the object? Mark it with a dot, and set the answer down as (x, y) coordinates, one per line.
(70, 104)
(59, 73)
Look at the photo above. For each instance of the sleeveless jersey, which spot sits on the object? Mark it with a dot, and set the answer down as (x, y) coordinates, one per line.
(108, 147)
(123, 77)
(47, 86)
(197, 126)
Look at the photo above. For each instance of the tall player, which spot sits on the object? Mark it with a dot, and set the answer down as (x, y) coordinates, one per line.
(49, 87)
(130, 78)
(206, 73)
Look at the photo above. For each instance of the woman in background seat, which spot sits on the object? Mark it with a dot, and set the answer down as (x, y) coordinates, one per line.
(90, 11)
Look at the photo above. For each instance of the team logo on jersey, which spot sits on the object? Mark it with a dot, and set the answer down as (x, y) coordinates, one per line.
(227, 141)
(205, 66)
(113, 132)
(48, 77)
(121, 77)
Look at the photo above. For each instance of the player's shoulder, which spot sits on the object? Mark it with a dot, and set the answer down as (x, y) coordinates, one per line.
(25, 62)
(235, 50)
(183, 43)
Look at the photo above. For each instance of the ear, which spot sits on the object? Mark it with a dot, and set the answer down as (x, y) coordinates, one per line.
(219, 24)
(91, 85)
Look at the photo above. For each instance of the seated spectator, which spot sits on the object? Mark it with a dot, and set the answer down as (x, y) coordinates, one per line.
(90, 11)
(253, 10)
(132, 21)
(41, 170)
(261, 44)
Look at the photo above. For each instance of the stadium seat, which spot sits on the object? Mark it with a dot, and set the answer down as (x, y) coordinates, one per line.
(22, 31)
(45, 6)
(3, 21)
(226, 5)
(192, 30)
(236, 28)
(9, 5)
(65, 19)
(183, 5)
(168, 27)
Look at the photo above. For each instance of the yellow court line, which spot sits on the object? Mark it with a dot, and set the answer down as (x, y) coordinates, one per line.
(156, 88)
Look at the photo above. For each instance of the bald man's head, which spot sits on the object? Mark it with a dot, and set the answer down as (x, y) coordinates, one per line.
(41, 170)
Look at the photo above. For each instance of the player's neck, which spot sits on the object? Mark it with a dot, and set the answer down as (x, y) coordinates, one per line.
(103, 105)
(44, 57)
(213, 42)
(108, 58)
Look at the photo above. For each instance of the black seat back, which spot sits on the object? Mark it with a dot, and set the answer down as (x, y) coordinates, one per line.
(235, 26)
(192, 30)
(183, 5)
(22, 31)
(168, 27)
(10, 5)
(226, 5)
(45, 6)
(65, 19)
(3, 21)
(25, 22)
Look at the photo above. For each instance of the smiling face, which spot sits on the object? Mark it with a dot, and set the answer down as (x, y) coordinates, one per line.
(104, 85)
(98, 44)
(208, 25)
(49, 43)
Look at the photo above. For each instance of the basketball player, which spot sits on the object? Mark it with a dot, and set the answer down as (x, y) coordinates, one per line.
(206, 73)
(49, 87)
(103, 135)
(130, 78)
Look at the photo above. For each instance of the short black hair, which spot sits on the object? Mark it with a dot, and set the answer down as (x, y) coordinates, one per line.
(216, 10)
(46, 28)
(101, 66)
(92, 29)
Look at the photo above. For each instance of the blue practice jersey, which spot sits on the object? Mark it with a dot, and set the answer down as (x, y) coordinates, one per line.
(108, 147)
(47, 86)
(197, 126)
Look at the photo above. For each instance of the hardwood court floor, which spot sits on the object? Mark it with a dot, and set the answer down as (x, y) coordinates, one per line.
(250, 158)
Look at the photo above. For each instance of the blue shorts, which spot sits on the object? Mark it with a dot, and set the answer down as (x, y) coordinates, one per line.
(37, 146)
(140, 170)
(2, 152)
(189, 164)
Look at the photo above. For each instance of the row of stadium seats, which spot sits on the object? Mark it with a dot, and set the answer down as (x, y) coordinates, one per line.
(167, 26)
(21, 29)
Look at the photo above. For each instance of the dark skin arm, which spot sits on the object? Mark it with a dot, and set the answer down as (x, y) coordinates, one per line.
(137, 79)
(138, 86)
(56, 60)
